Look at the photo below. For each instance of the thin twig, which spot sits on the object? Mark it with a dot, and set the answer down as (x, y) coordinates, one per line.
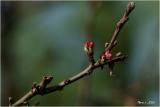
(120, 24)
(42, 89)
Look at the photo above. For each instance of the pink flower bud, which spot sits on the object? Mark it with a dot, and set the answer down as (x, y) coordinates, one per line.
(108, 54)
(88, 47)
(89, 44)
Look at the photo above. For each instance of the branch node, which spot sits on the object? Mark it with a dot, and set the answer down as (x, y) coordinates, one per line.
(66, 82)
(10, 101)
(89, 72)
(119, 54)
(106, 44)
(34, 85)
(42, 85)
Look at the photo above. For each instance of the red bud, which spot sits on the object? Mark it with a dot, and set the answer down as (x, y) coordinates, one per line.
(108, 54)
(89, 44)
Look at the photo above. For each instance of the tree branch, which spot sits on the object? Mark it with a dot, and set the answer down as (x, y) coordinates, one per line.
(42, 89)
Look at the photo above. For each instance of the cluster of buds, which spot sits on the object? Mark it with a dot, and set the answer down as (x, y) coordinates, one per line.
(107, 55)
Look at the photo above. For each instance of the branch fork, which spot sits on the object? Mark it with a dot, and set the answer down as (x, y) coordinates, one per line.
(106, 58)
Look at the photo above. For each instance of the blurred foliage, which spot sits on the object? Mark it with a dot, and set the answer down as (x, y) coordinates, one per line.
(46, 38)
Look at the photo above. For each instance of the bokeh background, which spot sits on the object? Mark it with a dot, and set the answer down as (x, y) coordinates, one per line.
(46, 38)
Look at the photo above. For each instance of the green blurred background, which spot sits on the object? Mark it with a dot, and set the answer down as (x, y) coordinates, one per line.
(46, 38)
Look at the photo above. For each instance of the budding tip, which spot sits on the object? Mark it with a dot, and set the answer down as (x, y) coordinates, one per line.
(89, 44)
(106, 44)
(132, 5)
(119, 54)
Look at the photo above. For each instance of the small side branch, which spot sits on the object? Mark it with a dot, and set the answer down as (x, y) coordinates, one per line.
(120, 24)
(36, 89)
